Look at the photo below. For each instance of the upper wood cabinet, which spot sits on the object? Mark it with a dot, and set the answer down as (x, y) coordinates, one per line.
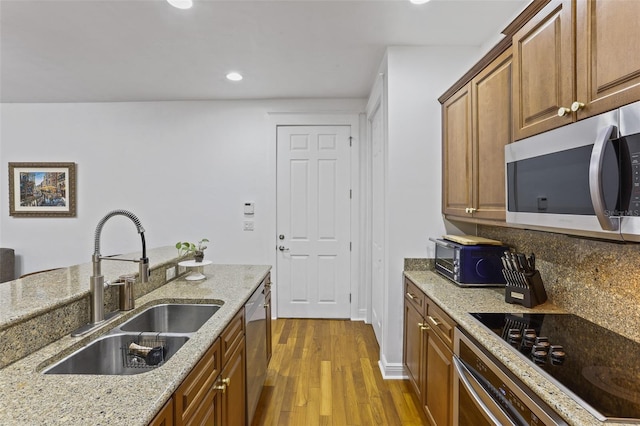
(572, 60)
(456, 153)
(476, 127)
(607, 54)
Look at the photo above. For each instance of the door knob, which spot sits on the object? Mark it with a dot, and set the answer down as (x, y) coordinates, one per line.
(283, 248)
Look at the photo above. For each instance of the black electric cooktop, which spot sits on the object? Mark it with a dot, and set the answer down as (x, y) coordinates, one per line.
(601, 368)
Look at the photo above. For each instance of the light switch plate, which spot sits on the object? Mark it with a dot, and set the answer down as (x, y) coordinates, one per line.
(248, 225)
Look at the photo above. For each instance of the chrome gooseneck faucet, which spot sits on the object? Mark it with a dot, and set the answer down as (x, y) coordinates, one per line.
(97, 279)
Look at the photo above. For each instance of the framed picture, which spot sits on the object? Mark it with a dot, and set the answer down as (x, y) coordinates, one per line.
(42, 189)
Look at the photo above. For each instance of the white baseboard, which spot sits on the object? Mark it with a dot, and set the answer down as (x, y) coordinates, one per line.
(391, 371)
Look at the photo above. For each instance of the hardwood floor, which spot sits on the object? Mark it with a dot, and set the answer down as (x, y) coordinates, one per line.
(325, 372)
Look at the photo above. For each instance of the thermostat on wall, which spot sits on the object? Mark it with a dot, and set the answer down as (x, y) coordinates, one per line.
(248, 209)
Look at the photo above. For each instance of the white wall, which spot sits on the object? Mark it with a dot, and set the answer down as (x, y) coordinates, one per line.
(184, 168)
(416, 77)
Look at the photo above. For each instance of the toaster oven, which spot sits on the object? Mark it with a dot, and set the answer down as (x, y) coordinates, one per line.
(470, 265)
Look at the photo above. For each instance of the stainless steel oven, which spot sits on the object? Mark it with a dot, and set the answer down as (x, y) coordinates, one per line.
(486, 393)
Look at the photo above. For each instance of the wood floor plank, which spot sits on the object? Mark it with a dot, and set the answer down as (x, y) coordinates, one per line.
(325, 372)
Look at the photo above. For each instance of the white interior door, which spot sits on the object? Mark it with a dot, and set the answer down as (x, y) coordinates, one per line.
(377, 222)
(313, 221)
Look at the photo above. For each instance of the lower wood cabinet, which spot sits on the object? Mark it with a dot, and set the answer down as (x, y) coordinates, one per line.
(428, 354)
(215, 391)
(165, 416)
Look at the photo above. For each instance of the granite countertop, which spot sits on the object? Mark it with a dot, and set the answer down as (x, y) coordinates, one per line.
(458, 302)
(28, 397)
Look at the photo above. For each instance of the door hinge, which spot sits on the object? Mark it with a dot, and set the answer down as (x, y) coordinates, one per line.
(349, 297)
(350, 245)
(350, 194)
(350, 140)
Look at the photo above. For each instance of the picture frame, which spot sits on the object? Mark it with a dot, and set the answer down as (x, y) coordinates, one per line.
(42, 189)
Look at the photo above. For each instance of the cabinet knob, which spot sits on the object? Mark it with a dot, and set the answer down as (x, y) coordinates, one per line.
(577, 106)
(266, 305)
(423, 326)
(223, 387)
(470, 210)
(563, 111)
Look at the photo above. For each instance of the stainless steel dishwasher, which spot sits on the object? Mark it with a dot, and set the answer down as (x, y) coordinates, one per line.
(256, 347)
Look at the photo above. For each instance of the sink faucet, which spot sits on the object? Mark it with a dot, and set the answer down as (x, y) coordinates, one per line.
(97, 279)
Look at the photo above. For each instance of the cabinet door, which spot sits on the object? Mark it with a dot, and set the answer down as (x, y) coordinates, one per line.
(234, 395)
(439, 384)
(192, 398)
(165, 416)
(456, 153)
(543, 69)
(267, 313)
(491, 95)
(607, 54)
(413, 353)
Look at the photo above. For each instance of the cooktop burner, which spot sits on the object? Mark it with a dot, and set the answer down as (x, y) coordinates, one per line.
(600, 367)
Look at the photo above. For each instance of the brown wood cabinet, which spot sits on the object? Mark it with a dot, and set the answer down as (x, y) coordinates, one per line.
(267, 313)
(195, 399)
(214, 392)
(427, 355)
(476, 127)
(233, 401)
(567, 69)
(232, 379)
(165, 416)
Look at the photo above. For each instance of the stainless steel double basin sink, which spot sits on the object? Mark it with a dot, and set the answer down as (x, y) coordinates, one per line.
(164, 328)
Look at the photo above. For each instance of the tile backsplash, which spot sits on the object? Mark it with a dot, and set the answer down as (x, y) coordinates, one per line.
(597, 280)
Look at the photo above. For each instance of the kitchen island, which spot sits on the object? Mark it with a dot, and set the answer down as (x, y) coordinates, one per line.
(28, 397)
(458, 302)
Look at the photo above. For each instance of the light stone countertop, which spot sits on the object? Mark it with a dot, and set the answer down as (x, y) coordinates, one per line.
(459, 302)
(28, 397)
(38, 293)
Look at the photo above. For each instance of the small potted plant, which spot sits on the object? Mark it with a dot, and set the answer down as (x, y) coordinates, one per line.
(186, 248)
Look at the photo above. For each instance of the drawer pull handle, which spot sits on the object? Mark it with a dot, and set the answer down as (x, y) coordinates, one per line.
(410, 296)
(434, 321)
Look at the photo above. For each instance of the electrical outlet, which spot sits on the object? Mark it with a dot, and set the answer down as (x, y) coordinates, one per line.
(170, 273)
(248, 225)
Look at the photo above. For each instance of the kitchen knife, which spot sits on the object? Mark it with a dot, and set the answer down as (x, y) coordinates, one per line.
(522, 262)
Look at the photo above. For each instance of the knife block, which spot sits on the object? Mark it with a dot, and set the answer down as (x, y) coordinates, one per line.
(524, 288)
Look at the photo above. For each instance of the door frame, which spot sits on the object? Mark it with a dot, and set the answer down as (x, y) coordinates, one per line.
(355, 119)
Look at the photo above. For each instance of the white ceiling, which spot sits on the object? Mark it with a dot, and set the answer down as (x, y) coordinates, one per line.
(146, 50)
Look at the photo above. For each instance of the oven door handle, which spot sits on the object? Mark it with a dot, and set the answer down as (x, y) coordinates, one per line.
(491, 410)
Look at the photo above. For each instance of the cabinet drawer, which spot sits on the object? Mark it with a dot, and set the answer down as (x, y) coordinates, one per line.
(232, 336)
(440, 323)
(194, 390)
(414, 296)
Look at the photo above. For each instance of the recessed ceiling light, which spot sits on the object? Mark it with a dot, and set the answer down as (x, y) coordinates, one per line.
(234, 76)
(419, 1)
(181, 4)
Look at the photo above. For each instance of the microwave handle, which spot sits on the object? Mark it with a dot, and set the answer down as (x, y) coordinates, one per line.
(595, 172)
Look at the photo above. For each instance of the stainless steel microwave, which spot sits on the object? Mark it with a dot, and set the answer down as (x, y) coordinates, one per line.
(580, 179)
